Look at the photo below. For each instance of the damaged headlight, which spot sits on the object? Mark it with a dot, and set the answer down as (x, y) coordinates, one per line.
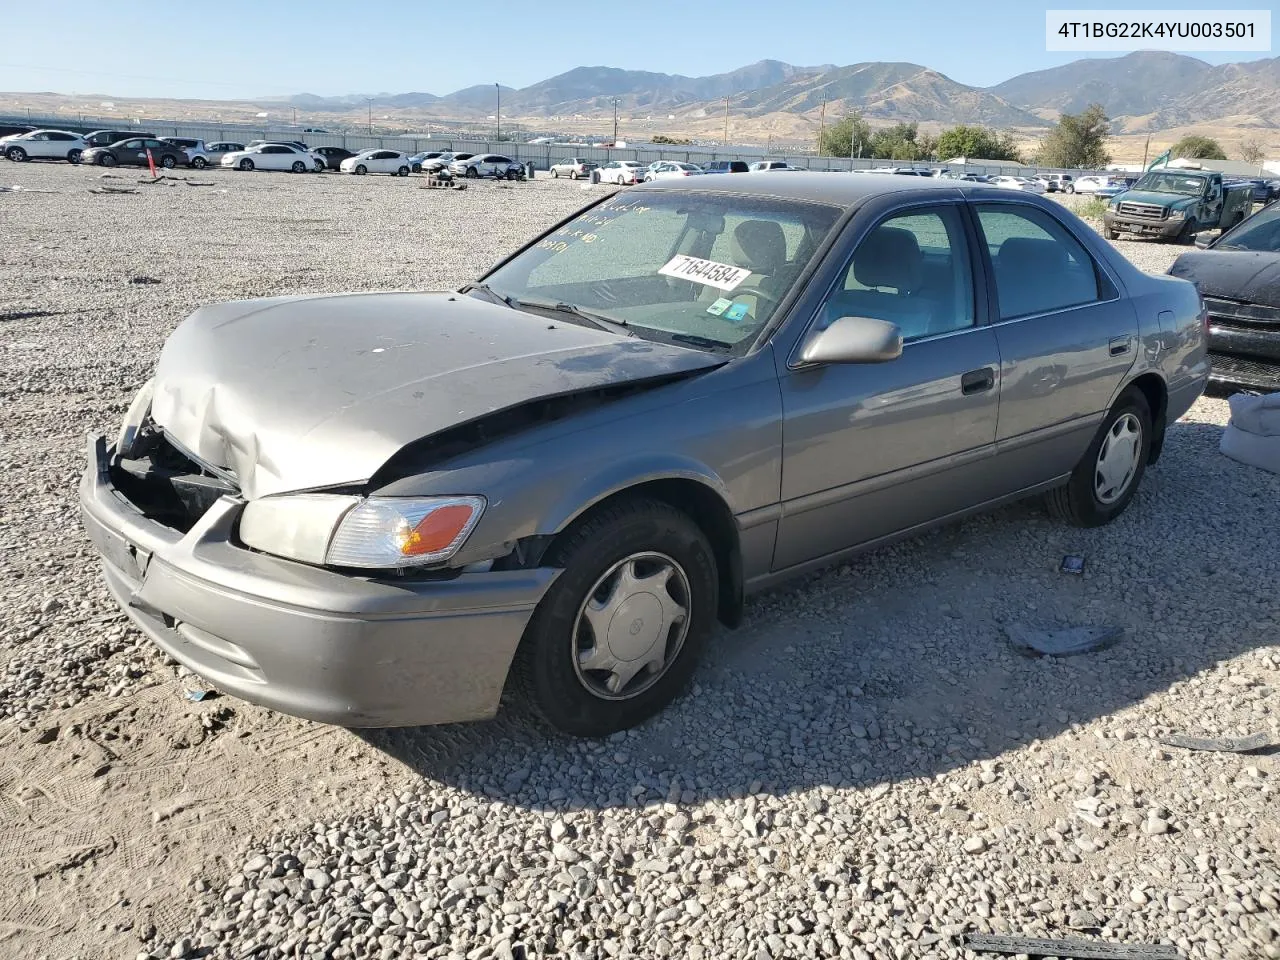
(373, 532)
(134, 418)
(1177, 214)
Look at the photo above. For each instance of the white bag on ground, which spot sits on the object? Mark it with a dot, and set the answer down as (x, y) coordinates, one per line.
(1253, 435)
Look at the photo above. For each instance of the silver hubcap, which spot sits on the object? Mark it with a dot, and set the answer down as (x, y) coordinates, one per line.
(1118, 459)
(632, 625)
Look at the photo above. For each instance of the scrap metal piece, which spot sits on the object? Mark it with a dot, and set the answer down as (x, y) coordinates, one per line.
(1061, 642)
(1072, 564)
(1255, 741)
(1075, 949)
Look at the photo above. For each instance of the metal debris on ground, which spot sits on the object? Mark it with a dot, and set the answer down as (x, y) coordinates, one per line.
(143, 280)
(1063, 641)
(196, 695)
(1255, 741)
(112, 190)
(1074, 949)
(1072, 564)
(444, 183)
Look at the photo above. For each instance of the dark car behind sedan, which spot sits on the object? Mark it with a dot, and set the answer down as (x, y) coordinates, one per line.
(333, 156)
(133, 153)
(1239, 277)
(105, 138)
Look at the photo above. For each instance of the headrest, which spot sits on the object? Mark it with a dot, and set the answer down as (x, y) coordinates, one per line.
(1031, 254)
(760, 245)
(889, 257)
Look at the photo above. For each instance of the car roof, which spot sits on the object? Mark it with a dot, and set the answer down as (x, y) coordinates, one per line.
(841, 189)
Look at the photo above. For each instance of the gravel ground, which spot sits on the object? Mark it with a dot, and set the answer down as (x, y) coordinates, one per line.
(865, 769)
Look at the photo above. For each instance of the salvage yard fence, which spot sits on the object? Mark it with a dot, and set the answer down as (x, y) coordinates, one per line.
(541, 155)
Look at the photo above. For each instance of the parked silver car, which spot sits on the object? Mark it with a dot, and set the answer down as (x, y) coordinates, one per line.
(486, 165)
(380, 509)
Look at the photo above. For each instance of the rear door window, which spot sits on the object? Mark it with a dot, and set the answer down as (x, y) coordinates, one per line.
(1039, 267)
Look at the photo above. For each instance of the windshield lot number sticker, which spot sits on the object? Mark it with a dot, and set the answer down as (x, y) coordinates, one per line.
(722, 276)
(719, 307)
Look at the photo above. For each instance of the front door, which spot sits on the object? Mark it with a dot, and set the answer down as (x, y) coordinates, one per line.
(1066, 338)
(873, 449)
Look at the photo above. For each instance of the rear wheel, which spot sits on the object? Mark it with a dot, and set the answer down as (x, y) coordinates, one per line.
(16, 154)
(402, 172)
(618, 634)
(1107, 476)
(73, 156)
(573, 174)
(246, 164)
(199, 163)
(298, 167)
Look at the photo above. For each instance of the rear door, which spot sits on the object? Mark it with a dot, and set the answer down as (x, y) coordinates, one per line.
(131, 151)
(1067, 338)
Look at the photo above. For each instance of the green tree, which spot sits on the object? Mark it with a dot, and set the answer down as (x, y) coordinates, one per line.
(1079, 140)
(896, 143)
(977, 142)
(663, 138)
(1199, 148)
(850, 137)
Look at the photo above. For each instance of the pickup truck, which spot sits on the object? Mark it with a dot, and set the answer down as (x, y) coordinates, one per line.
(1175, 204)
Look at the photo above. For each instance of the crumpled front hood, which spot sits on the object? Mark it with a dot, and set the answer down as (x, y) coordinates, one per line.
(1174, 201)
(294, 393)
(1247, 275)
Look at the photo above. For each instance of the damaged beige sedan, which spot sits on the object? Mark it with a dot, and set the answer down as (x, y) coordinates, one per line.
(383, 509)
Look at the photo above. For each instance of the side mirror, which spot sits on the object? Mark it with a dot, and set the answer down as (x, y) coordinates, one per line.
(1203, 239)
(854, 340)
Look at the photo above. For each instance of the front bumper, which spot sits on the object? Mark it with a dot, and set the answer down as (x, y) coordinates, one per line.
(1165, 229)
(306, 641)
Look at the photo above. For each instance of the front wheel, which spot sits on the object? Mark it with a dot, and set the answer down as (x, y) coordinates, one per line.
(555, 174)
(199, 163)
(1107, 476)
(246, 164)
(16, 154)
(168, 161)
(1188, 234)
(417, 168)
(361, 170)
(1070, 189)
(511, 173)
(107, 159)
(472, 173)
(618, 634)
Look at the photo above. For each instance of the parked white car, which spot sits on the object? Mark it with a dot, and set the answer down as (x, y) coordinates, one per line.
(1091, 184)
(1025, 184)
(43, 145)
(764, 165)
(622, 171)
(667, 169)
(487, 165)
(377, 161)
(274, 156)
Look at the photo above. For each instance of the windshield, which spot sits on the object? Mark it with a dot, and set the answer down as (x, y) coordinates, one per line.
(701, 269)
(1260, 232)
(1171, 183)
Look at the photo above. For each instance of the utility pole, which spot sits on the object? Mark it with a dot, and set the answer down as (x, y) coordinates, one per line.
(370, 102)
(615, 121)
(822, 122)
(726, 121)
(1145, 148)
(295, 116)
(497, 134)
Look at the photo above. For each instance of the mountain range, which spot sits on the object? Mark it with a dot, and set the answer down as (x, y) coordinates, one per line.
(1141, 91)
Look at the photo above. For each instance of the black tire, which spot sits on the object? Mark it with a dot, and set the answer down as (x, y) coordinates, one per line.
(1113, 234)
(1078, 501)
(1189, 231)
(555, 174)
(107, 159)
(73, 156)
(199, 163)
(472, 173)
(546, 668)
(573, 174)
(402, 172)
(1070, 189)
(168, 161)
(16, 154)
(298, 167)
(417, 168)
(246, 164)
(511, 173)
(361, 170)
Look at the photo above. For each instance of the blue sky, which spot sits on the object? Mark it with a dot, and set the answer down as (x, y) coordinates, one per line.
(244, 48)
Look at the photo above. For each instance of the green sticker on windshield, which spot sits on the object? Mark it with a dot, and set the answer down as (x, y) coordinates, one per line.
(719, 307)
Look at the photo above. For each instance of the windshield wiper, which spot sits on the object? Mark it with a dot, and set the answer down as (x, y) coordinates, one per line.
(706, 343)
(492, 294)
(600, 323)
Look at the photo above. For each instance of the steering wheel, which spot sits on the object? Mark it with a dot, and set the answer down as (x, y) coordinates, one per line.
(759, 293)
